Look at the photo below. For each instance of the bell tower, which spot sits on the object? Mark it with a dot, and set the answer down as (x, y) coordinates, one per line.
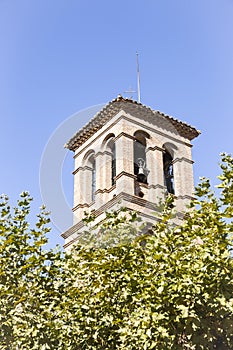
(129, 155)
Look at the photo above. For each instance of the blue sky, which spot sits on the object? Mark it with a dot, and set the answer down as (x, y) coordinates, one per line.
(60, 57)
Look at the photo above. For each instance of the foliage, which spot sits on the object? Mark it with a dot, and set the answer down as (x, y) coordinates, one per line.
(169, 288)
(29, 279)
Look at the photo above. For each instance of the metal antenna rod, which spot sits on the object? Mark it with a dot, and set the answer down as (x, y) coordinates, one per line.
(138, 78)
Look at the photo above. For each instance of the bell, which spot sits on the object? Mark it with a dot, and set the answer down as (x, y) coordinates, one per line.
(140, 170)
(141, 166)
(141, 177)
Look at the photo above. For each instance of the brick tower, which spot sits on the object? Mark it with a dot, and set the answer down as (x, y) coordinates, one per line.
(130, 155)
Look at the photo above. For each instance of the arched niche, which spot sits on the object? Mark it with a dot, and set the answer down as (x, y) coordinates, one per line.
(90, 175)
(170, 148)
(140, 163)
(168, 172)
(109, 147)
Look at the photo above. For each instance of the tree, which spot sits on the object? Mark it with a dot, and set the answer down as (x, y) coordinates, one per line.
(28, 279)
(169, 288)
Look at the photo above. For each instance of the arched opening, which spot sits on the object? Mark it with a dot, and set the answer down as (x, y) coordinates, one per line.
(140, 169)
(90, 176)
(93, 179)
(113, 165)
(168, 172)
(111, 150)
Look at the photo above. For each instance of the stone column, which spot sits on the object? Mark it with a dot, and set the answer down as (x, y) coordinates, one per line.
(183, 180)
(81, 192)
(124, 164)
(99, 179)
(87, 175)
(106, 174)
(154, 157)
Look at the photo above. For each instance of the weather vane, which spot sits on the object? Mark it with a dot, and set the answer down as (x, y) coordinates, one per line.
(131, 92)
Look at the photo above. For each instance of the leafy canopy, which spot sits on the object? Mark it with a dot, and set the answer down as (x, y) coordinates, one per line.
(169, 288)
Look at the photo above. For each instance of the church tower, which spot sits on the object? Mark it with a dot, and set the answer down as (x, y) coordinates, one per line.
(129, 155)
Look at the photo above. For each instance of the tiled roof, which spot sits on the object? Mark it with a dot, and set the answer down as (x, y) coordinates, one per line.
(114, 107)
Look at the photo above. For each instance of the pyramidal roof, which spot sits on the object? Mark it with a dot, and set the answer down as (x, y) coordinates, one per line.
(114, 107)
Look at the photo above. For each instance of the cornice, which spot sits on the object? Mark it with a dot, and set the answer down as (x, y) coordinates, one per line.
(185, 197)
(106, 190)
(157, 186)
(125, 173)
(102, 153)
(122, 196)
(124, 135)
(155, 148)
(141, 125)
(82, 205)
(81, 168)
(116, 200)
(183, 159)
(114, 107)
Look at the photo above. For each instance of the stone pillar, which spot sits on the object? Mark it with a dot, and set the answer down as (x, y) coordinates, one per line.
(99, 179)
(87, 175)
(124, 164)
(154, 157)
(106, 173)
(183, 180)
(81, 191)
(78, 187)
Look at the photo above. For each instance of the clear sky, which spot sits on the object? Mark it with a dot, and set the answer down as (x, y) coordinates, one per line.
(58, 57)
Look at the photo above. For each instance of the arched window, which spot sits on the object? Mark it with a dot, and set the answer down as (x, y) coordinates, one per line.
(140, 169)
(110, 149)
(93, 179)
(90, 176)
(168, 172)
(113, 172)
